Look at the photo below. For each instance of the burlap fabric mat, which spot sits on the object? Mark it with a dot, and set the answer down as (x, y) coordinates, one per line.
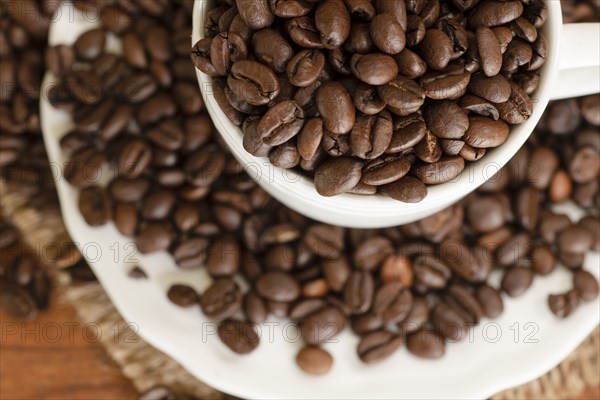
(148, 367)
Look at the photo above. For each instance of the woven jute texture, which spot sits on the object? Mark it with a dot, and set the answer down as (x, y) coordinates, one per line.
(147, 367)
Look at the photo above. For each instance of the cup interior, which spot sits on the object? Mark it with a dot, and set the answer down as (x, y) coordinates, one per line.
(377, 211)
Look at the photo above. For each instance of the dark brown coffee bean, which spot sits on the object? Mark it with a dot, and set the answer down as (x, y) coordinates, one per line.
(371, 135)
(490, 301)
(446, 120)
(255, 308)
(408, 131)
(377, 346)
(490, 51)
(221, 300)
(191, 252)
(322, 325)
(495, 13)
(182, 295)
(337, 176)
(305, 67)
(285, 156)
(449, 322)
(239, 336)
(543, 260)
(393, 302)
(485, 214)
(485, 132)
(592, 224)
(374, 69)
(495, 89)
(336, 107)
(256, 14)
(90, 44)
(359, 291)
(154, 237)
(371, 253)
(387, 34)
(574, 239)
(426, 344)
(314, 360)
(126, 218)
(517, 280)
(332, 19)
(278, 286)
(402, 95)
(472, 265)
(514, 249)
(272, 49)
(586, 285)
(385, 170)
(436, 49)
(584, 167)
(253, 82)
(518, 108)
(448, 84)
(18, 302)
(95, 206)
(444, 170)
(406, 190)
(304, 32)
(281, 123)
(563, 305)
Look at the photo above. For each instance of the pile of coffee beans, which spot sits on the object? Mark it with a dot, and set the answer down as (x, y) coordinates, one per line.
(25, 285)
(175, 187)
(374, 96)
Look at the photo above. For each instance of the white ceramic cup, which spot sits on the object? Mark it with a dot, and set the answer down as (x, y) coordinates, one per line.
(572, 69)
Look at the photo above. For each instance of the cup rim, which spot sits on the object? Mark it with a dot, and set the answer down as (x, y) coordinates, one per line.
(374, 211)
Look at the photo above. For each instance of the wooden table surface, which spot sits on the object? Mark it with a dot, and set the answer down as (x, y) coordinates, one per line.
(56, 357)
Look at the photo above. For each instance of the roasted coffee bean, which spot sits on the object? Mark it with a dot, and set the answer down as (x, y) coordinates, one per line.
(517, 280)
(514, 249)
(392, 302)
(239, 336)
(561, 187)
(305, 67)
(574, 239)
(154, 237)
(563, 305)
(426, 344)
(337, 176)
(374, 69)
(472, 265)
(332, 20)
(95, 206)
(255, 308)
(371, 135)
(406, 190)
(485, 132)
(585, 165)
(18, 302)
(314, 360)
(495, 89)
(446, 120)
(586, 285)
(436, 49)
(191, 252)
(278, 286)
(182, 295)
(387, 34)
(430, 272)
(592, 224)
(543, 260)
(385, 170)
(281, 123)
(253, 82)
(90, 44)
(377, 346)
(255, 14)
(464, 298)
(304, 32)
(410, 64)
(221, 300)
(444, 170)
(490, 301)
(336, 107)
(495, 13)
(322, 325)
(449, 322)
(402, 96)
(359, 291)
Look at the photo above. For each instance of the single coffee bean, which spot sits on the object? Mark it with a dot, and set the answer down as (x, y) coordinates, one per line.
(278, 286)
(253, 82)
(255, 308)
(337, 176)
(90, 44)
(374, 69)
(273, 50)
(444, 170)
(485, 132)
(496, 89)
(154, 237)
(402, 95)
(574, 239)
(281, 123)
(449, 322)
(495, 13)
(221, 300)
(377, 346)
(314, 360)
(446, 120)
(305, 67)
(406, 190)
(332, 19)
(239, 336)
(336, 107)
(392, 302)
(182, 295)
(95, 206)
(586, 285)
(543, 260)
(517, 280)
(371, 135)
(490, 301)
(387, 34)
(359, 291)
(563, 305)
(490, 51)
(191, 252)
(515, 249)
(322, 325)
(426, 344)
